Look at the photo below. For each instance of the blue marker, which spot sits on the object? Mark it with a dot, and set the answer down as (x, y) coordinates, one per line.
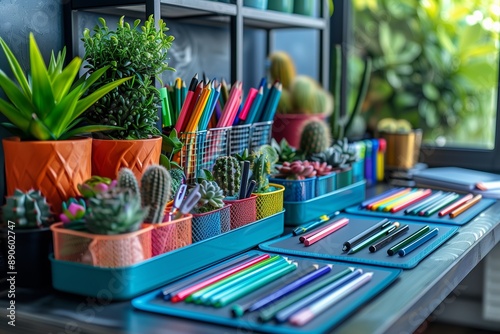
(419, 242)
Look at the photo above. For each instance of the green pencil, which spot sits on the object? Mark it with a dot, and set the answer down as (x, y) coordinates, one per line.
(379, 235)
(195, 296)
(269, 312)
(394, 249)
(254, 285)
(442, 203)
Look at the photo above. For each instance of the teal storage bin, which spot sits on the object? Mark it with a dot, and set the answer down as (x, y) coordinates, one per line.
(304, 7)
(297, 190)
(326, 184)
(298, 213)
(128, 282)
(259, 4)
(285, 6)
(344, 178)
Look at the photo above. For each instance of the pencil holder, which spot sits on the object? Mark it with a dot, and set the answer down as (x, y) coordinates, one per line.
(344, 177)
(189, 153)
(214, 145)
(326, 184)
(260, 134)
(239, 137)
(98, 250)
(297, 190)
(243, 211)
(271, 202)
(285, 6)
(358, 170)
(210, 224)
(170, 235)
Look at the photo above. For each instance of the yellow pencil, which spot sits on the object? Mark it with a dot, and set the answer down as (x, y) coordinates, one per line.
(198, 109)
(375, 205)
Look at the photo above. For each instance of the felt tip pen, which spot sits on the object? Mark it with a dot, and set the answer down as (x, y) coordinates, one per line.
(385, 241)
(418, 242)
(309, 226)
(365, 234)
(405, 242)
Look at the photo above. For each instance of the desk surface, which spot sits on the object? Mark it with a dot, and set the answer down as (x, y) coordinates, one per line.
(399, 309)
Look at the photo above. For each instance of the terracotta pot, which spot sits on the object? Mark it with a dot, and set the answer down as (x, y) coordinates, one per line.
(53, 167)
(289, 126)
(108, 156)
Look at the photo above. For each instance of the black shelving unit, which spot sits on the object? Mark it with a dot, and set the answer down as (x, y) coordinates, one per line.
(237, 16)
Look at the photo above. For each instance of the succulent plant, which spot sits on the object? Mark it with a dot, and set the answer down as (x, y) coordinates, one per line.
(126, 179)
(73, 214)
(155, 192)
(338, 156)
(27, 209)
(227, 174)
(115, 211)
(315, 137)
(284, 150)
(95, 185)
(296, 170)
(211, 197)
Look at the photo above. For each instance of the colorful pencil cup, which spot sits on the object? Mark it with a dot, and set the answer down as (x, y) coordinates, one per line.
(171, 235)
(271, 202)
(211, 224)
(297, 190)
(99, 250)
(243, 211)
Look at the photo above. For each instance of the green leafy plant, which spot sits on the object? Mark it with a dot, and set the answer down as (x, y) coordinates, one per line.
(47, 104)
(134, 50)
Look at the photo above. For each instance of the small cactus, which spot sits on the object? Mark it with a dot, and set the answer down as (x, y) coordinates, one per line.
(73, 214)
(211, 197)
(227, 174)
(178, 178)
(95, 185)
(27, 209)
(115, 211)
(155, 192)
(126, 179)
(315, 137)
(262, 163)
(282, 68)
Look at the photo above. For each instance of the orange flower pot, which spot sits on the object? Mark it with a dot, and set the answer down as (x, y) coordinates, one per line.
(53, 167)
(109, 155)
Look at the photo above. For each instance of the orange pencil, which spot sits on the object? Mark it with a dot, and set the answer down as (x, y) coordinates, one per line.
(465, 206)
(374, 206)
(455, 205)
(414, 199)
(198, 110)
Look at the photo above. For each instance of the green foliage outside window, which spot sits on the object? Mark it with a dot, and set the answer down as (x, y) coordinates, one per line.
(435, 63)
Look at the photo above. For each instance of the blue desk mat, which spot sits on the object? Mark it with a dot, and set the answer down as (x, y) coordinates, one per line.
(331, 246)
(382, 278)
(461, 219)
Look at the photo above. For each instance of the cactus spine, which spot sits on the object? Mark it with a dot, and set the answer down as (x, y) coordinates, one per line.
(126, 179)
(178, 178)
(315, 137)
(227, 174)
(27, 209)
(155, 191)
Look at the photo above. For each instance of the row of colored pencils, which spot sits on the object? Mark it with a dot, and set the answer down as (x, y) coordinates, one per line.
(207, 104)
(421, 202)
(297, 299)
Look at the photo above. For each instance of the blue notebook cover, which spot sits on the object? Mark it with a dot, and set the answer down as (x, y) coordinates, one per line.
(249, 323)
(331, 246)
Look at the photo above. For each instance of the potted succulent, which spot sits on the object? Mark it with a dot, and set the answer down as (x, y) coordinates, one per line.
(139, 51)
(26, 238)
(44, 110)
(302, 99)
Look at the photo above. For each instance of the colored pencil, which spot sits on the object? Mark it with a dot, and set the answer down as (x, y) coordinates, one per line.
(165, 108)
(309, 275)
(326, 231)
(255, 284)
(365, 234)
(428, 205)
(418, 242)
(181, 295)
(195, 296)
(286, 313)
(309, 226)
(455, 205)
(414, 197)
(380, 197)
(254, 110)
(270, 311)
(312, 311)
(272, 103)
(377, 236)
(466, 206)
(183, 284)
(177, 93)
(441, 204)
(385, 241)
(403, 243)
(183, 115)
(252, 93)
(397, 200)
(415, 208)
(198, 108)
(224, 96)
(209, 112)
(245, 170)
(375, 205)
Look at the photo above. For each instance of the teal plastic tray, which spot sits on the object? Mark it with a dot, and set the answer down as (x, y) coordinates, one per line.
(298, 213)
(129, 282)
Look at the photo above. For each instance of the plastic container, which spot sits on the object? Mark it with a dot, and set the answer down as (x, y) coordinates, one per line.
(285, 6)
(344, 177)
(271, 202)
(243, 211)
(167, 236)
(304, 7)
(298, 213)
(211, 224)
(297, 190)
(358, 170)
(259, 4)
(326, 184)
(128, 282)
(100, 250)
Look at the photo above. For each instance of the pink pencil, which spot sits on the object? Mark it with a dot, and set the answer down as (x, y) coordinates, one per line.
(324, 232)
(181, 295)
(455, 205)
(252, 92)
(231, 107)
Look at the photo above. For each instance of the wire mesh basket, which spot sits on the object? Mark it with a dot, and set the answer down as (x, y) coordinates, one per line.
(239, 137)
(211, 224)
(297, 190)
(243, 211)
(260, 134)
(168, 236)
(271, 202)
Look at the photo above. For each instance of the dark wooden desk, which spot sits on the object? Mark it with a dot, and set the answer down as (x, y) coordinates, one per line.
(399, 309)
